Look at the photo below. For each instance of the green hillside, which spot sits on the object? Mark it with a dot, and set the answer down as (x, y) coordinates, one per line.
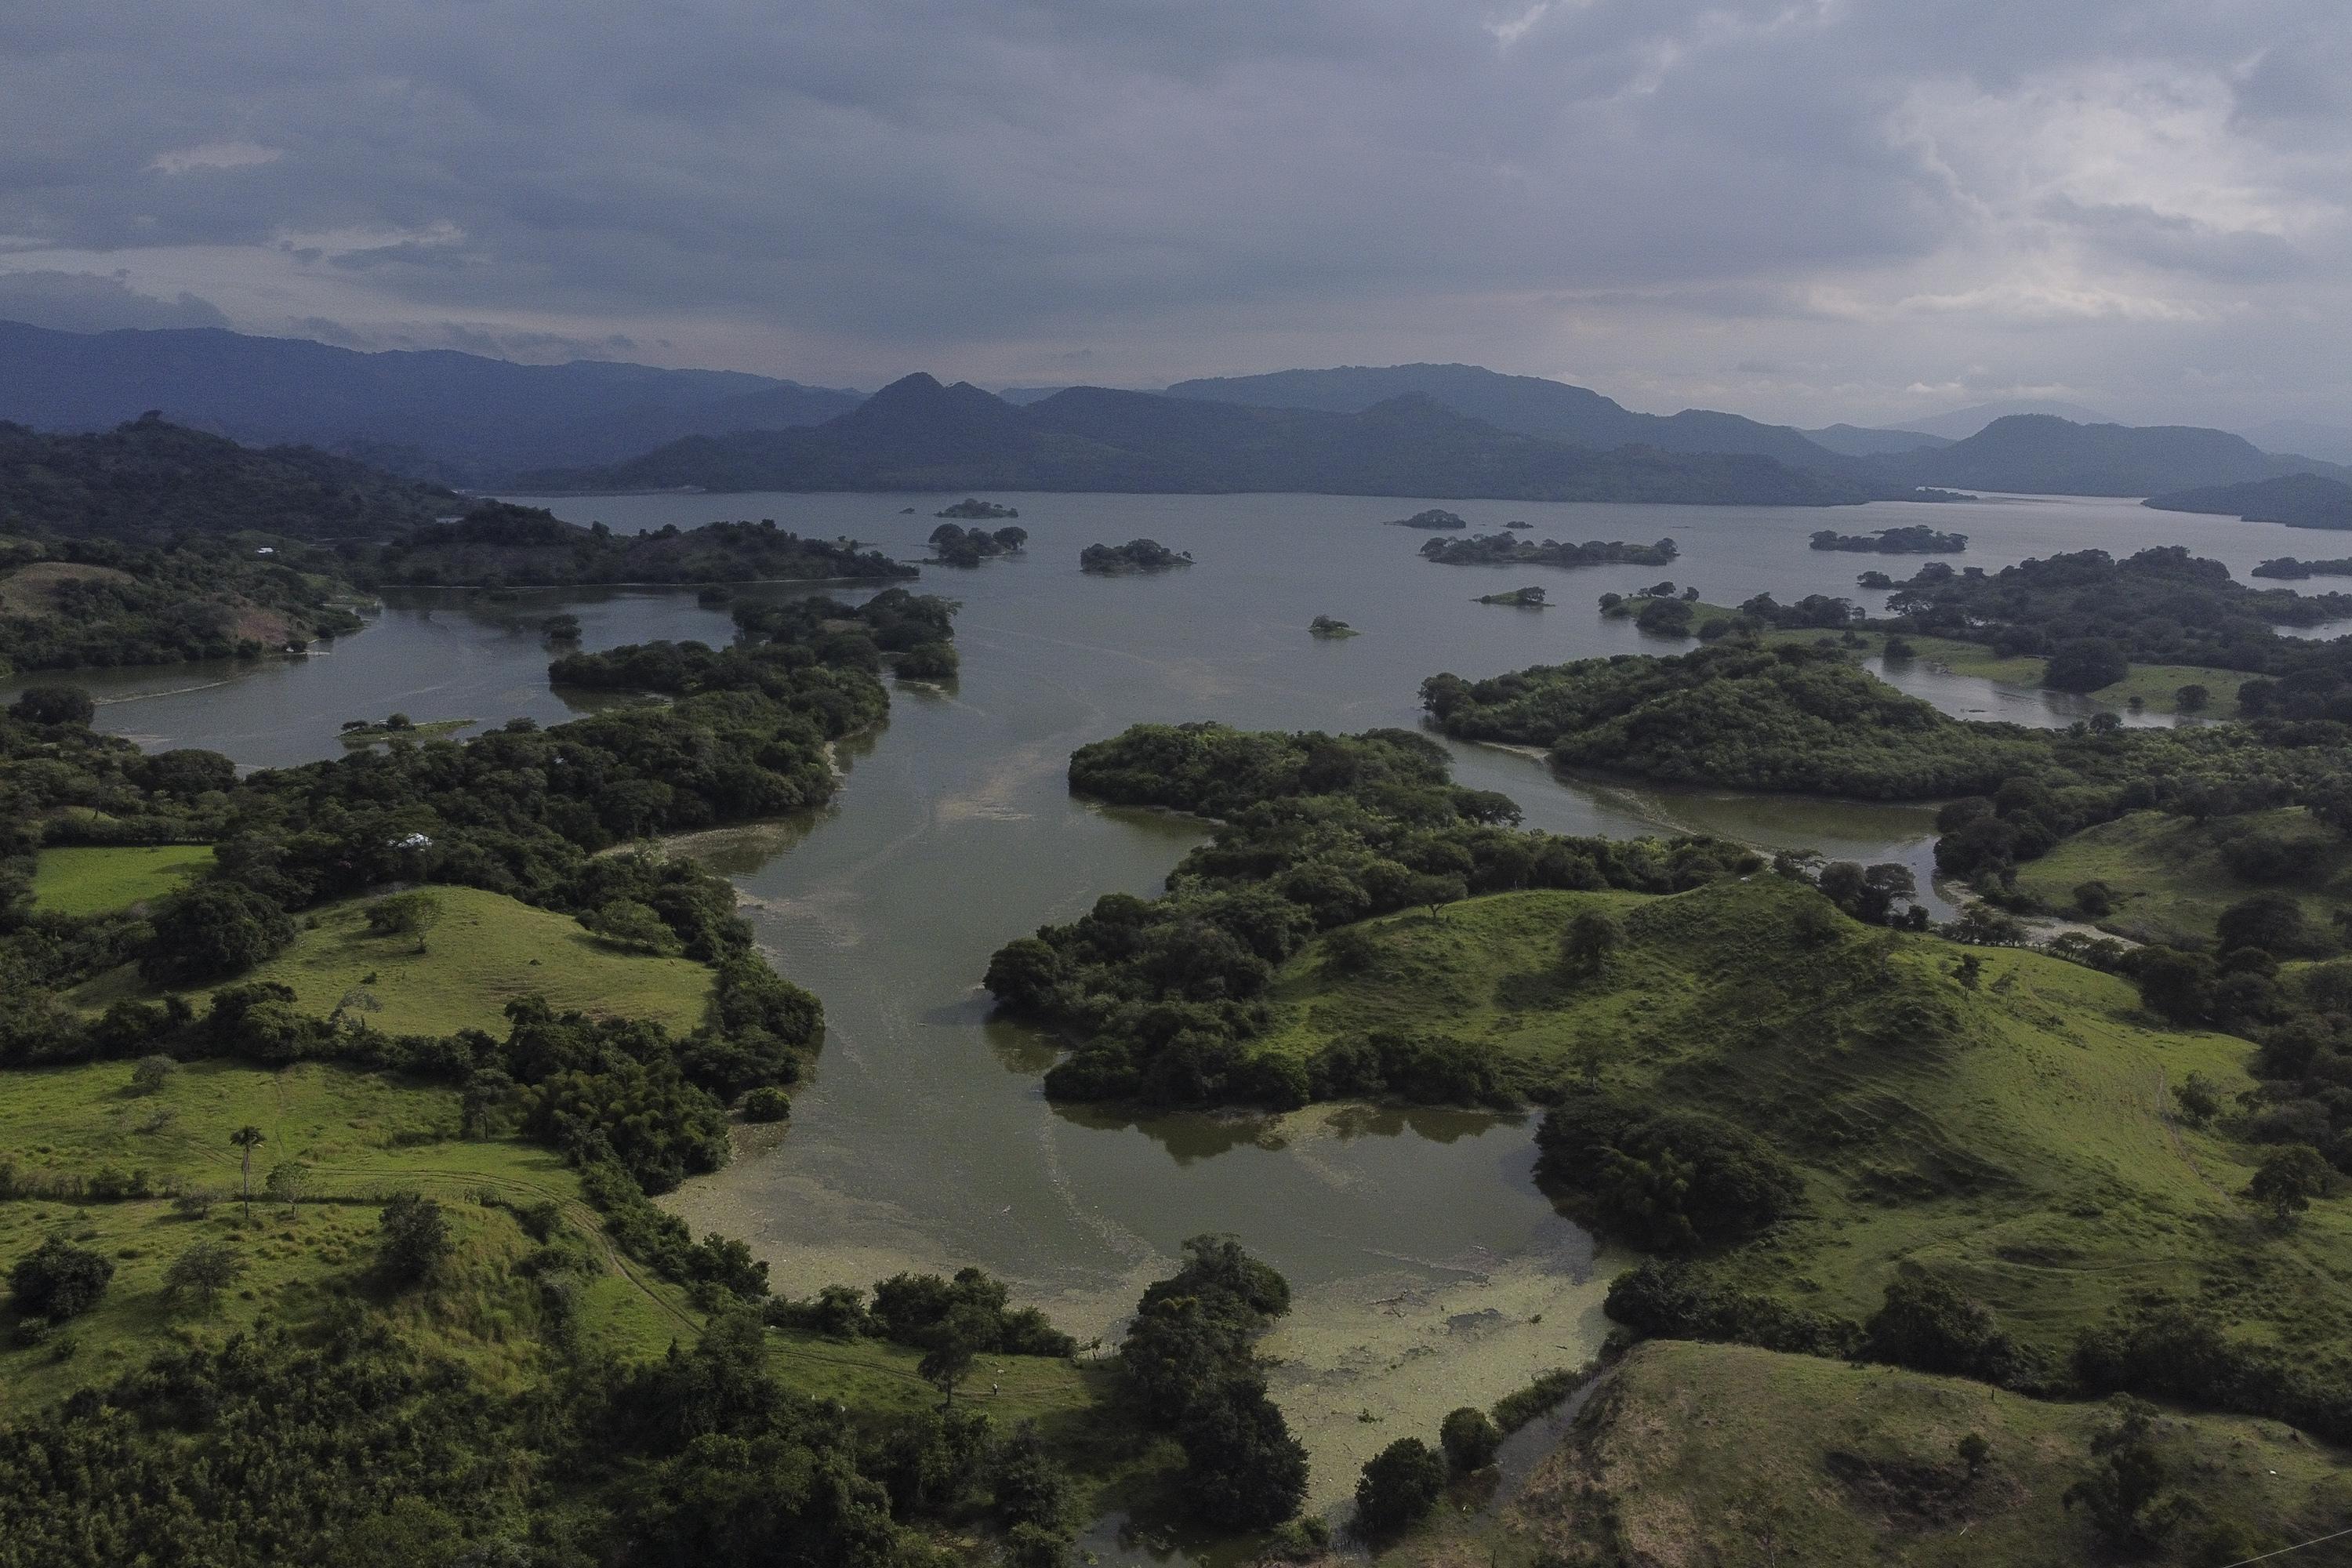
(1742, 1458)
(99, 881)
(1996, 1117)
(2171, 877)
(483, 950)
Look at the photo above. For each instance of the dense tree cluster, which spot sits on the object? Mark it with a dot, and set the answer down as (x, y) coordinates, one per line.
(1317, 831)
(954, 545)
(1916, 540)
(1668, 1179)
(1191, 1367)
(1135, 555)
(1507, 550)
(1787, 718)
(95, 602)
(366, 1450)
(499, 544)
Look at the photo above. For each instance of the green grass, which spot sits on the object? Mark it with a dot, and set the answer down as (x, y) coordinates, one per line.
(2172, 880)
(1739, 1458)
(363, 1135)
(2154, 684)
(2013, 1138)
(97, 881)
(484, 951)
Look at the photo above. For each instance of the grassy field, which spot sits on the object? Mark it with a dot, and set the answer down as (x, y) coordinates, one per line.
(2013, 1137)
(1739, 1458)
(2154, 684)
(2172, 878)
(96, 881)
(363, 1136)
(484, 951)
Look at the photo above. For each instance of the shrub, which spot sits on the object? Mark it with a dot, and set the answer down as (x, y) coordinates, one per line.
(416, 1237)
(1400, 1484)
(58, 1280)
(1469, 1438)
(767, 1103)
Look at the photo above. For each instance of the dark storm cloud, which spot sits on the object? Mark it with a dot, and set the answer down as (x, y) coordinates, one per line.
(1182, 185)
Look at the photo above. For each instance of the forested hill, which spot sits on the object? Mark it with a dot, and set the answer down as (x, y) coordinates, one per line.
(498, 544)
(1527, 405)
(149, 481)
(2041, 454)
(916, 434)
(2299, 500)
(459, 418)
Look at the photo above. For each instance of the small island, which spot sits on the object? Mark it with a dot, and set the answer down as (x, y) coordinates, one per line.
(2287, 568)
(1135, 555)
(1915, 540)
(398, 727)
(1434, 517)
(1519, 522)
(971, 507)
(954, 545)
(1502, 549)
(1525, 598)
(1326, 626)
(1874, 579)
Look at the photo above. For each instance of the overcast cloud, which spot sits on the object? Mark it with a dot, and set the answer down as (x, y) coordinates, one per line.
(1800, 209)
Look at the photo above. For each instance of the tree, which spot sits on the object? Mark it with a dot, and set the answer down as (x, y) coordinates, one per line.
(246, 1139)
(2191, 697)
(1585, 946)
(2272, 921)
(53, 705)
(58, 1280)
(625, 922)
(2085, 664)
(1400, 1484)
(953, 1343)
(405, 914)
(1242, 1470)
(2127, 1495)
(213, 930)
(2199, 1101)
(1469, 1438)
(288, 1179)
(415, 1236)
(2177, 986)
(1434, 891)
(1974, 1452)
(203, 1271)
(2288, 1179)
(151, 1074)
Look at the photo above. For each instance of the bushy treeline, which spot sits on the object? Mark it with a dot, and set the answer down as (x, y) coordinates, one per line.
(1163, 995)
(787, 639)
(2161, 605)
(499, 544)
(1916, 540)
(956, 546)
(95, 603)
(367, 1450)
(1510, 550)
(1790, 718)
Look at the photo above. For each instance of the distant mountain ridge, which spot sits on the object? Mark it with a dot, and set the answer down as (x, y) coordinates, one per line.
(916, 434)
(457, 419)
(1524, 404)
(2041, 454)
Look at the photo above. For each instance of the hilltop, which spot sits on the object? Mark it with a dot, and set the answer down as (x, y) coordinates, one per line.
(916, 434)
(457, 419)
(2042, 454)
(150, 480)
(2298, 501)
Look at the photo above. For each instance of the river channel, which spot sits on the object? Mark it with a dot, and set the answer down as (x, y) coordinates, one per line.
(1429, 1270)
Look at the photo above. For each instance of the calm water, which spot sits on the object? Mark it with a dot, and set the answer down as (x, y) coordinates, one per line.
(1431, 1272)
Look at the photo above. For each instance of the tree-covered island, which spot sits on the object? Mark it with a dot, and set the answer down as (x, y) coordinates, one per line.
(1135, 555)
(1503, 549)
(1915, 539)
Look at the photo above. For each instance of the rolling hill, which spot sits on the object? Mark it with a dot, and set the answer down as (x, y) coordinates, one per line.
(2041, 454)
(916, 434)
(457, 418)
(2299, 500)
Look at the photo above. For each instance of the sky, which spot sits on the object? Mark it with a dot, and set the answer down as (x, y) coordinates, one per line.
(1803, 210)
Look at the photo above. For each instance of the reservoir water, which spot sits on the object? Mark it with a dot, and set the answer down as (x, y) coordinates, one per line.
(1430, 1272)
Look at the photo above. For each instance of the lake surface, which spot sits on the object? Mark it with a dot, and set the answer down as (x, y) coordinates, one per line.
(1429, 1270)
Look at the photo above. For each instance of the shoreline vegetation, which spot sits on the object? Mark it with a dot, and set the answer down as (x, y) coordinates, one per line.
(1135, 555)
(1915, 540)
(1504, 549)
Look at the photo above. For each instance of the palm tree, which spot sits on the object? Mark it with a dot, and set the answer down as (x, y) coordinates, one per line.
(248, 1138)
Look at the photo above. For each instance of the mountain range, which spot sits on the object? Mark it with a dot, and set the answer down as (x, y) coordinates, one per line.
(1415, 429)
(454, 418)
(916, 434)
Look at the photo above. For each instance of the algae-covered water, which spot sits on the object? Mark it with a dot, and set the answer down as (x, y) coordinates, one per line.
(1429, 1270)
